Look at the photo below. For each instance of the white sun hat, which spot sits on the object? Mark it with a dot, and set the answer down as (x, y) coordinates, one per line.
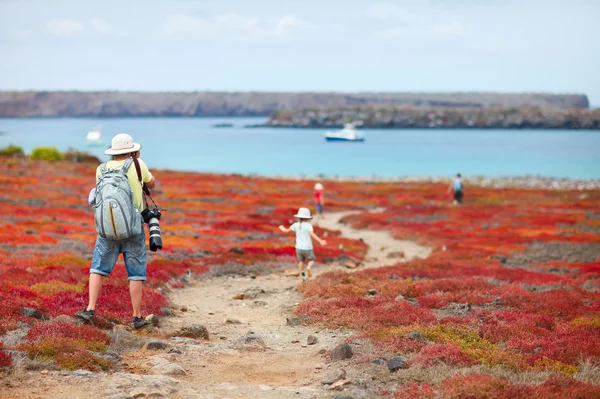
(122, 143)
(303, 213)
(318, 186)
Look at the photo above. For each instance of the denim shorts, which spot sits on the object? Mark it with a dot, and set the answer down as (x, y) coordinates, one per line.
(305, 254)
(106, 254)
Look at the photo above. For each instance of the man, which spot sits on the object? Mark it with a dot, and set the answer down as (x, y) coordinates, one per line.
(456, 187)
(133, 249)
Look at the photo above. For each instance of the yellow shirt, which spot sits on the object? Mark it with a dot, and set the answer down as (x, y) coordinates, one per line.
(132, 176)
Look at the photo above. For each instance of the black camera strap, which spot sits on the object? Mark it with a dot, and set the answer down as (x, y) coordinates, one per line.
(145, 189)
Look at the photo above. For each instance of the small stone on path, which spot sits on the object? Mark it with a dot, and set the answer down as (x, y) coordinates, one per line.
(311, 340)
(333, 377)
(193, 331)
(342, 351)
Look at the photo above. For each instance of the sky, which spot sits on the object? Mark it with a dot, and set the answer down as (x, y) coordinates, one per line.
(302, 45)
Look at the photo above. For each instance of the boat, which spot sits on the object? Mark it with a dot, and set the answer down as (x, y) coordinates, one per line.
(348, 133)
(223, 124)
(94, 136)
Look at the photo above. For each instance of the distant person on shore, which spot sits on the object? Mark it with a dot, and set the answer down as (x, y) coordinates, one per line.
(457, 189)
(304, 247)
(319, 201)
(119, 186)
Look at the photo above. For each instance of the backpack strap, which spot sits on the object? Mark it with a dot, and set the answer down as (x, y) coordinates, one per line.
(126, 165)
(103, 168)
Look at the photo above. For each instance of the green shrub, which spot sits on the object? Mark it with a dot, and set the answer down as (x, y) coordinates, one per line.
(12, 150)
(46, 153)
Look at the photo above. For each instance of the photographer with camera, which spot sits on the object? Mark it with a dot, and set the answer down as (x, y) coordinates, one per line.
(119, 208)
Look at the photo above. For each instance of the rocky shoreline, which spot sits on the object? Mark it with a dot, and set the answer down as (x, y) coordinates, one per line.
(112, 104)
(439, 118)
(522, 182)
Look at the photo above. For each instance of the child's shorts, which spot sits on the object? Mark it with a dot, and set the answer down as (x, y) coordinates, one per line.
(305, 254)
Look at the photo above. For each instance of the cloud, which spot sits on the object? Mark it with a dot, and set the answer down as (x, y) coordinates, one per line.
(64, 27)
(100, 25)
(231, 24)
(453, 28)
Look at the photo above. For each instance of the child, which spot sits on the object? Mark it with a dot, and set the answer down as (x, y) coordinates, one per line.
(319, 202)
(304, 248)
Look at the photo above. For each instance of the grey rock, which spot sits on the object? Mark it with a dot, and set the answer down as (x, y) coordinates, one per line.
(167, 368)
(500, 258)
(123, 341)
(372, 291)
(250, 342)
(343, 397)
(175, 351)
(379, 361)
(254, 292)
(232, 321)
(34, 313)
(134, 385)
(396, 363)
(184, 340)
(333, 377)
(111, 356)
(416, 336)
(83, 373)
(152, 319)
(193, 331)
(237, 250)
(342, 351)
(296, 321)
(156, 345)
(311, 340)
(167, 311)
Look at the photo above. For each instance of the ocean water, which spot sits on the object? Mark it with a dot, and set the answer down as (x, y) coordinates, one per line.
(191, 144)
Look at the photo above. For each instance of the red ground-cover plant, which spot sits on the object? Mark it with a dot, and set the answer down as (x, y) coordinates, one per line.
(485, 295)
(5, 358)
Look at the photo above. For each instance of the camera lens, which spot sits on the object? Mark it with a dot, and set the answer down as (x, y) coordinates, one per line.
(155, 239)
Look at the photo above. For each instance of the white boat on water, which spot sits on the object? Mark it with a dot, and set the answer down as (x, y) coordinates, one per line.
(94, 137)
(348, 133)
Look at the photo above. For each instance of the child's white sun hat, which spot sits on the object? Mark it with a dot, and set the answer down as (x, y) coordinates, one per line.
(303, 213)
(318, 186)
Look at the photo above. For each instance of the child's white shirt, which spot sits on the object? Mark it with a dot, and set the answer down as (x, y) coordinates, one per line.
(303, 230)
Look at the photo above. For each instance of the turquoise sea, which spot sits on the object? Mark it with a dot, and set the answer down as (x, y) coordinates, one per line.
(192, 144)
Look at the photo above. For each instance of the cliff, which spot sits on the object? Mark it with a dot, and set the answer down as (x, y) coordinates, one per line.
(454, 117)
(134, 104)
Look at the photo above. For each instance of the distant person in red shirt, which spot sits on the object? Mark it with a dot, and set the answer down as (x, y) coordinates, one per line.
(319, 198)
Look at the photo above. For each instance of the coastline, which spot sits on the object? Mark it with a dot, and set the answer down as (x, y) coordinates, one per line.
(523, 182)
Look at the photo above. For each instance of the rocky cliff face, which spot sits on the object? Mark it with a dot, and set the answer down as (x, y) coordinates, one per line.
(440, 117)
(124, 104)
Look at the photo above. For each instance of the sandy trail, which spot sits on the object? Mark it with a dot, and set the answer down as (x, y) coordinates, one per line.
(286, 367)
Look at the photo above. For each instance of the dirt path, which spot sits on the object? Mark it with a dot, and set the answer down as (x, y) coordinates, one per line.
(288, 367)
(275, 362)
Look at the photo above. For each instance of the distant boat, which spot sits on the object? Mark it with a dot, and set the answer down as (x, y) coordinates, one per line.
(94, 136)
(223, 125)
(348, 133)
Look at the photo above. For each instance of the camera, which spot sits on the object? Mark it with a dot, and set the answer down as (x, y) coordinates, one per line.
(152, 216)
